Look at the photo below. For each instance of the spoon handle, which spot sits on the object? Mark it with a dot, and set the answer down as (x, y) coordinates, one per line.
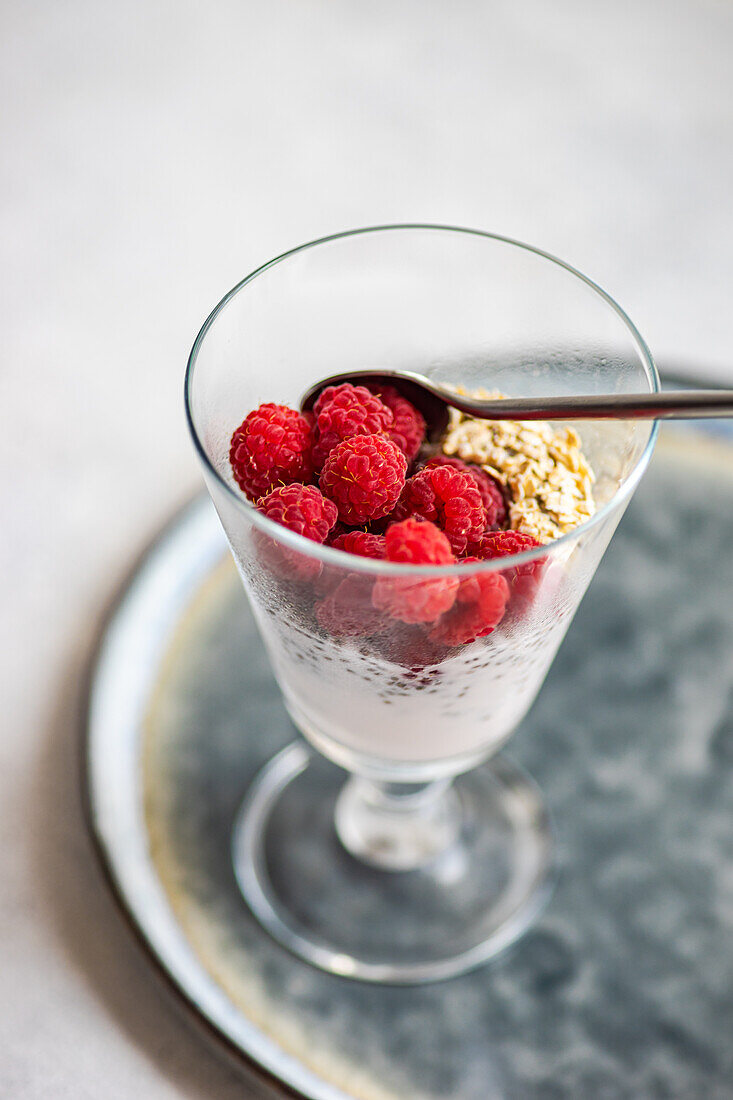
(674, 405)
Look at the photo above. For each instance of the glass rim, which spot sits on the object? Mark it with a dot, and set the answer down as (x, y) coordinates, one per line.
(353, 563)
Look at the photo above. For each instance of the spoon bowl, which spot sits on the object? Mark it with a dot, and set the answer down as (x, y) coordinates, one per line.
(430, 398)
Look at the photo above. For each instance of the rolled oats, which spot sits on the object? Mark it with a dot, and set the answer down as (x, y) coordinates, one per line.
(548, 478)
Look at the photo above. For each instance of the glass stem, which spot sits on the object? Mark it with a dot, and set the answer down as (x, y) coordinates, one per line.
(397, 826)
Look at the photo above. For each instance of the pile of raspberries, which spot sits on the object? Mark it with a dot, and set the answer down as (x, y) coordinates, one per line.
(339, 476)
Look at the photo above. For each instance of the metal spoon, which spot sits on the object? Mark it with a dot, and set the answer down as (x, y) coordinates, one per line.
(434, 400)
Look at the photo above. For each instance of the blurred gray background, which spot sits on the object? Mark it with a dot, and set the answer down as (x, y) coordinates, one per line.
(152, 154)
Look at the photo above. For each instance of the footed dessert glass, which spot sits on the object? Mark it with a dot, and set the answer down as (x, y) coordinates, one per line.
(421, 853)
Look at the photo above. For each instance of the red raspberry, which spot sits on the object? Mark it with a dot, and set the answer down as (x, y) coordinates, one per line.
(303, 509)
(408, 429)
(348, 612)
(361, 543)
(300, 508)
(480, 605)
(502, 544)
(416, 599)
(448, 498)
(492, 496)
(524, 579)
(272, 445)
(415, 542)
(343, 412)
(364, 476)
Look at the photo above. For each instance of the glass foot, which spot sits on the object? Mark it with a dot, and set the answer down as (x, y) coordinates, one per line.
(454, 911)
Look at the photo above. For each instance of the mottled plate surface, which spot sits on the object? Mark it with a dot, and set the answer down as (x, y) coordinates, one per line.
(624, 987)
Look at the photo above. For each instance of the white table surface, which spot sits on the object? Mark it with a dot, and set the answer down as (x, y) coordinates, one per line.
(153, 153)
